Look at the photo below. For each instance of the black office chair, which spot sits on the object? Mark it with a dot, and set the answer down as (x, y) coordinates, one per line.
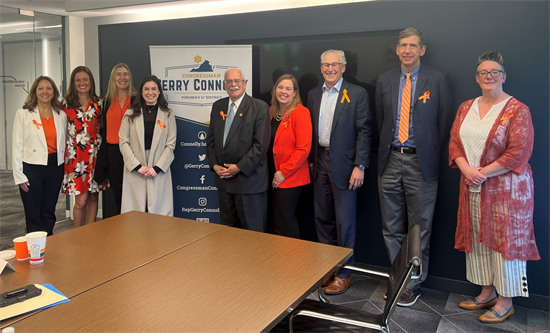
(316, 316)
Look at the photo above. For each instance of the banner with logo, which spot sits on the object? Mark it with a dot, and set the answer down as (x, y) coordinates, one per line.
(192, 80)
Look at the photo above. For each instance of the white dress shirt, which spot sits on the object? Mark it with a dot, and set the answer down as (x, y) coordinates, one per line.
(326, 112)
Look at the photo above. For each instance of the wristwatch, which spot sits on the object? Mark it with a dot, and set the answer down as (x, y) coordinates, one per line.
(361, 167)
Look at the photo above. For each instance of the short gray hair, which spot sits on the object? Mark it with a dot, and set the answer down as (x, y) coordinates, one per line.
(410, 31)
(331, 51)
(492, 56)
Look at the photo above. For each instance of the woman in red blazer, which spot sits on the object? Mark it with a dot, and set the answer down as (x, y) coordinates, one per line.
(290, 145)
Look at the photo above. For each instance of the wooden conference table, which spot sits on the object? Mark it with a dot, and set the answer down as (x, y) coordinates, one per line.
(144, 272)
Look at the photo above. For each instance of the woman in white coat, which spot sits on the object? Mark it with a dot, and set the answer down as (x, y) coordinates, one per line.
(38, 154)
(147, 139)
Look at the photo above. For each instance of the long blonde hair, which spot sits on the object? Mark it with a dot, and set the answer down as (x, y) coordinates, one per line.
(111, 88)
(275, 103)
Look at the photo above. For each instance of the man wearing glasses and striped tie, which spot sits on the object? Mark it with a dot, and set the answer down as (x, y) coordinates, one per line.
(414, 109)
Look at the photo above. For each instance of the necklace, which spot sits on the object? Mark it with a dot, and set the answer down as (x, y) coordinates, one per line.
(150, 109)
(279, 118)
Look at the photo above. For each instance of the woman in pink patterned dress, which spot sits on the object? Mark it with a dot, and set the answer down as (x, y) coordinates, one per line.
(491, 143)
(83, 108)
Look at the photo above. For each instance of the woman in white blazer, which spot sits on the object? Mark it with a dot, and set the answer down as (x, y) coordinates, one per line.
(147, 139)
(38, 153)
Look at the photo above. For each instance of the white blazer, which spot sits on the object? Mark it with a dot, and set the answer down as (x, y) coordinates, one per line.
(29, 142)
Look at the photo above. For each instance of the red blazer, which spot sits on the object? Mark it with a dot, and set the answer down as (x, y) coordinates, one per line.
(291, 147)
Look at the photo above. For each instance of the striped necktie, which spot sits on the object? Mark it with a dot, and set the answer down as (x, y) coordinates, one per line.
(405, 109)
(229, 121)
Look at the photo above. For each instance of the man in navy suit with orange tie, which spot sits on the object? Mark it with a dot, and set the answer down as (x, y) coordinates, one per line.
(339, 156)
(414, 113)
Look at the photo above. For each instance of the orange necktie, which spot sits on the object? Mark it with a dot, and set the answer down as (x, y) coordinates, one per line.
(405, 109)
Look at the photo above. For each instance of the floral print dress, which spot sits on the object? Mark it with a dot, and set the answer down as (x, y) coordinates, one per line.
(83, 141)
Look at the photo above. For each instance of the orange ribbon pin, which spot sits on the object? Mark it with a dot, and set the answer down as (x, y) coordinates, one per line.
(425, 96)
(505, 118)
(37, 124)
(345, 97)
(162, 126)
(224, 115)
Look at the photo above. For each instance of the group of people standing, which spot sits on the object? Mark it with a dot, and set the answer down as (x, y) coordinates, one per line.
(253, 149)
(86, 144)
(127, 141)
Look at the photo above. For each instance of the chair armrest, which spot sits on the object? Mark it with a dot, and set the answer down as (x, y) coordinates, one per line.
(366, 271)
(338, 319)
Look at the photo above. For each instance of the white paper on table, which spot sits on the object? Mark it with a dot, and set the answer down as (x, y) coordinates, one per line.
(4, 264)
(47, 297)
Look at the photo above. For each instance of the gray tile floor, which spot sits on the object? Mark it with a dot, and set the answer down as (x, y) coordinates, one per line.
(436, 311)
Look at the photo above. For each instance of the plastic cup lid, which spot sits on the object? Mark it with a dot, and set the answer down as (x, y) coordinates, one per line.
(7, 255)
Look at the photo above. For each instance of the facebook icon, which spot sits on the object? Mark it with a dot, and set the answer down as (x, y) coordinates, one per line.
(202, 179)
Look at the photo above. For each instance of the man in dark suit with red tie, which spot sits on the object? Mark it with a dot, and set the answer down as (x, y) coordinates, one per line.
(339, 156)
(236, 145)
(414, 111)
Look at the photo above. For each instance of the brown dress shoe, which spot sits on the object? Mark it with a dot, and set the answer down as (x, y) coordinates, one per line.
(328, 281)
(339, 285)
(476, 305)
(408, 298)
(492, 316)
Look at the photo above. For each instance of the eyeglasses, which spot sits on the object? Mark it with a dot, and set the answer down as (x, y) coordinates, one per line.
(334, 65)
(494, 73)
(237, 81)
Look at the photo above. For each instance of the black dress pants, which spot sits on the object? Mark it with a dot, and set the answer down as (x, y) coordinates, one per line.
(247, 211)
(285, 201)
(40, 201)
(115, 172)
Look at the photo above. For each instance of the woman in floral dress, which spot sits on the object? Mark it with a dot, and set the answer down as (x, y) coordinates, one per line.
(83, 108)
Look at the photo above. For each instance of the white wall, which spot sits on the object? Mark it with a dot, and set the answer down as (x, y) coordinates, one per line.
(75, 44)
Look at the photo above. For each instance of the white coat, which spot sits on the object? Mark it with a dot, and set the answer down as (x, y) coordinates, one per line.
(29, 142)
(136, 188)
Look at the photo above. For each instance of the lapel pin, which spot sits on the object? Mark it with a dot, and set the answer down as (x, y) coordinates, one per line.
(240, 114)
(504, 119)
(424, 97)
(345, 97)
(37, 124)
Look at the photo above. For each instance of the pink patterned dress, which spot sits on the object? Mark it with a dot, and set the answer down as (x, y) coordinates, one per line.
(506, 222)
(83, 141)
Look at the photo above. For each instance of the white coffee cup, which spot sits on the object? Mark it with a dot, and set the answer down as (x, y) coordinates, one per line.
(36, 244)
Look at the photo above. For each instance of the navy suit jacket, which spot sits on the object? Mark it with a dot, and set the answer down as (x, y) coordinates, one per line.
(350, 137)
(432, 120)
(246, 146)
